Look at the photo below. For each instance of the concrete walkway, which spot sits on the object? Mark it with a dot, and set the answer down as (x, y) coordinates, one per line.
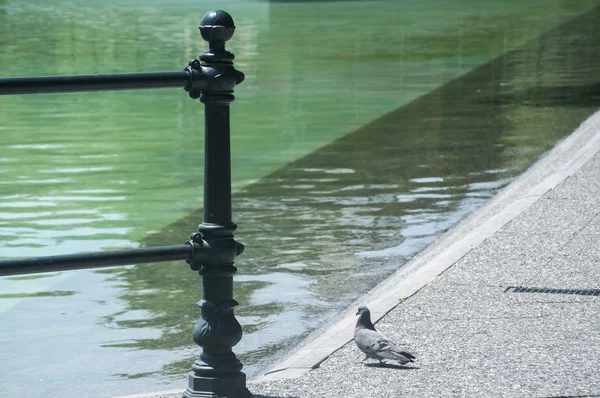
(453, 306)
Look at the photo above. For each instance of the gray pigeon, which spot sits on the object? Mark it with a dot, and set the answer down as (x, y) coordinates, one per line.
(373, 344)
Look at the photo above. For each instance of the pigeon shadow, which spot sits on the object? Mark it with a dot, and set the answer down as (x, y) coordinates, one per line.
(270, 396)
(391, 366)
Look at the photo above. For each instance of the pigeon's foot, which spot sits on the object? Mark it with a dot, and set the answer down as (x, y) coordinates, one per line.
(363, 360)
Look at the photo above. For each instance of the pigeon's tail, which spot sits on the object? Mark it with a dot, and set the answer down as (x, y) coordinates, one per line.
(408, 355)
(402, 357)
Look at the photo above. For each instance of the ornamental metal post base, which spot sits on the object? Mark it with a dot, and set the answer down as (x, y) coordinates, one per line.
(216, 387)
(219, 387)
(217, 372)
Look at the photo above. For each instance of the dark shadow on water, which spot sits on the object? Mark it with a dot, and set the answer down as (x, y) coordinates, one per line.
(386, 365)
(557, 96)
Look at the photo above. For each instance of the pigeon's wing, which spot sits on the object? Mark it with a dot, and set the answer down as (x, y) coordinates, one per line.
(368, 342)
(389, 350)
(377, 346)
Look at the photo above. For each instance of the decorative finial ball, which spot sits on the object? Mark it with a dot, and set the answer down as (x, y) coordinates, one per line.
(216, 25)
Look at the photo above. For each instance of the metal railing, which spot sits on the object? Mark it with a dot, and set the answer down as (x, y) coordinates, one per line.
(210, 251)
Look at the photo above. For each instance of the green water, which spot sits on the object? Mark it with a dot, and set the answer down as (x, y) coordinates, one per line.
(362, 132)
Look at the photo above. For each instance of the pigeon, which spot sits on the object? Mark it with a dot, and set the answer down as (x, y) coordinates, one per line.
(373, 344)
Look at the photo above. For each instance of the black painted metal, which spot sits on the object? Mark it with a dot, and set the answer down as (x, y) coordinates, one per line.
(210, 251)
(124, 81)
(217, 372)
(544, 290)
(115, 258)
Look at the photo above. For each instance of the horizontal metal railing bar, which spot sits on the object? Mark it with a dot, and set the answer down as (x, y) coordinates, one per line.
(69, 262)
(65, 84)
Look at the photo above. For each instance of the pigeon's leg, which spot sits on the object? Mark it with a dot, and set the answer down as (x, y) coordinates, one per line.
(363, 361)
(381, 361)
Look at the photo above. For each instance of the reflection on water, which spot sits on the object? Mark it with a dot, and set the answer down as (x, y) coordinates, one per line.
(352, 169)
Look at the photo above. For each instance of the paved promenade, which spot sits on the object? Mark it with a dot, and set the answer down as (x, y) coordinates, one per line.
(453, 306)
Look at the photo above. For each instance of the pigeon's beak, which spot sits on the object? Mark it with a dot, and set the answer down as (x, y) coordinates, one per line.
(357, 313)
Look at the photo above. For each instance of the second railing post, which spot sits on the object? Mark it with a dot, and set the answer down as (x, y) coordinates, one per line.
(217, 372)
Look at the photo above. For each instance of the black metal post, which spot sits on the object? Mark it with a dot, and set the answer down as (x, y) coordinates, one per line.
(217, 372)
(211, 251)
